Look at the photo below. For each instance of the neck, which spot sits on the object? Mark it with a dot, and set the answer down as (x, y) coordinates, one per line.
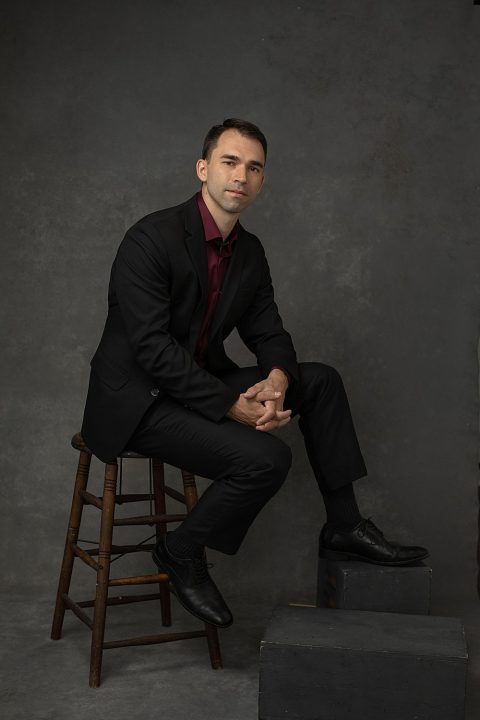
(225, 220)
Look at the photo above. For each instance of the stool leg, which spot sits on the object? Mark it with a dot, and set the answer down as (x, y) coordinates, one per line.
(190, 490)
(103, 574)
(191, 499)
(161, 529)
(213, 646)
(72, 537)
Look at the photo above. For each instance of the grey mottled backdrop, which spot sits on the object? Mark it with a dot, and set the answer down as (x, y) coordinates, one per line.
(369, 218)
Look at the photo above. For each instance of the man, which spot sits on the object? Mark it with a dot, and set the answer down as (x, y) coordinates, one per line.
(162, 384)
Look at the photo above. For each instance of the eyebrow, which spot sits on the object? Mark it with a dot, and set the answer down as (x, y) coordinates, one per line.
(251, 162)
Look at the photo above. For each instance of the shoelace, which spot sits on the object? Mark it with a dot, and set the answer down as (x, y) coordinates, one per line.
(367, 524)
(200, 568)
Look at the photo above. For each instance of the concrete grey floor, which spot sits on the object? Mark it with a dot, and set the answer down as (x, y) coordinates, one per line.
(48, 680)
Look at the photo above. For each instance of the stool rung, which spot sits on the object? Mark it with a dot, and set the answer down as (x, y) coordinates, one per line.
(91, 499)
(84, 555)
(124, 549)
(76, 609)
(153, 639)
(122, 599)
(149, 519)
(139, 580)
(175, 494)
(132, 497)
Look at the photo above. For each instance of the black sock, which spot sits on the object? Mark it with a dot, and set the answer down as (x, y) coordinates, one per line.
(341, 505)
(182, 546)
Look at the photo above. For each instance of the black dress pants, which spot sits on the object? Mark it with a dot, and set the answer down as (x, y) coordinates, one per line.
(248, 466)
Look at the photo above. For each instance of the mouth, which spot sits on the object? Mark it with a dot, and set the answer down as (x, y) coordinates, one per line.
(238, 193)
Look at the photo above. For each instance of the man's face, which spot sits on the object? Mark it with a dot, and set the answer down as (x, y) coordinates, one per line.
(233, 175)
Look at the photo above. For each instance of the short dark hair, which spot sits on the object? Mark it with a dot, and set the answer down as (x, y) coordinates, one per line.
(242, 126)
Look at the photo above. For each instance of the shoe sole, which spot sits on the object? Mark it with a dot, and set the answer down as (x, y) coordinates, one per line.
(338, 555)
(161, 566)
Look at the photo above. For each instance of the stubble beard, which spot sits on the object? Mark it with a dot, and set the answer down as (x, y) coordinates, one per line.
(232, 204)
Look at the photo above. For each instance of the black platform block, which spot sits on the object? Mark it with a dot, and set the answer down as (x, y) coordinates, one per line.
(353, 585)
(321, 664)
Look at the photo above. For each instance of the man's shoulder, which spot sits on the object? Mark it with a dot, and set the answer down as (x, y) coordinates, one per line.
(156, 232)
(170, 218)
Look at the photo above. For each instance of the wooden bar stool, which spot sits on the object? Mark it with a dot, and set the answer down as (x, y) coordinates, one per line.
(106, 504)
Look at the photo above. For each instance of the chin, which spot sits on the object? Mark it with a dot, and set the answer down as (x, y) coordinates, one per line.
(233, 206)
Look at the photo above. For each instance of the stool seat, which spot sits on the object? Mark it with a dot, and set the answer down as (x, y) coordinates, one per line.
(79, 444)
(99, 558)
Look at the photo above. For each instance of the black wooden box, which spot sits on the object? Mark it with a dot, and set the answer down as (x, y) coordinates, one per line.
(353, 585)
(323, 664)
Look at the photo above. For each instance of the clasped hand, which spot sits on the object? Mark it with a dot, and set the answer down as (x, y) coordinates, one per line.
(261, 405)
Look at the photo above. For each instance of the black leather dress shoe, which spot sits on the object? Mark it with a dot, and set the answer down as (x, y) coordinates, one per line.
(366, 542)
(193, 585)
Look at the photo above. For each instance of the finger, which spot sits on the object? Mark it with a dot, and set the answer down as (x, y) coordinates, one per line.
(275, 422)
(260, 389)
(270, 414)
(252, 390)
(267, 426)
(278, 414)
(264, 395)
(283, 414)
(272, 425)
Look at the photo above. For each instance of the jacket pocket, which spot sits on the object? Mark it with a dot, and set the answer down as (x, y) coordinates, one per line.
(108, 372)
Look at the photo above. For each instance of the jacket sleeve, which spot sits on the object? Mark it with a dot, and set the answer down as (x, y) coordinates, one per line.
(262, 331)
(141, 280)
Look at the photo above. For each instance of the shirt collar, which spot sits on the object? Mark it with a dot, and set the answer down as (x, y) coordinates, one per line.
(210, 227)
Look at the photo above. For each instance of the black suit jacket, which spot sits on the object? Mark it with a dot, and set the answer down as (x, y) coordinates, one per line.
(156, 302)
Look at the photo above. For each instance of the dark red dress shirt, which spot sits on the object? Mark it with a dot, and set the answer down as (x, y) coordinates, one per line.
(219, 252)
(218, 256)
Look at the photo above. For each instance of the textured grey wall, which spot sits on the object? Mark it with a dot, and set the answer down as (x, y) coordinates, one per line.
(369, 219)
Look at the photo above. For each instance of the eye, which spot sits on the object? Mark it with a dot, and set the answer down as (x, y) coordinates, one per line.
(228, 162)
(255, 169)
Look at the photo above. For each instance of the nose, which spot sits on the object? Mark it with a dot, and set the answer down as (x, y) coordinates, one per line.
(240, 174)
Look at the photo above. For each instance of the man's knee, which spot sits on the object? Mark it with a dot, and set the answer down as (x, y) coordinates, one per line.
(277, 461)
(325, 375)
(268, 459)
(333, 375)
(283, 457)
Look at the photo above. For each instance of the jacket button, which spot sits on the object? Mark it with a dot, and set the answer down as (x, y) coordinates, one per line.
(154, 392)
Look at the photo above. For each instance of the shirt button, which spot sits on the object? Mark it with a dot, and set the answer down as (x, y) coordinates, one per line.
(154, 392)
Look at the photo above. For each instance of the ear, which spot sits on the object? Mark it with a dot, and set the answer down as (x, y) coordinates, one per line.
(201, 169)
